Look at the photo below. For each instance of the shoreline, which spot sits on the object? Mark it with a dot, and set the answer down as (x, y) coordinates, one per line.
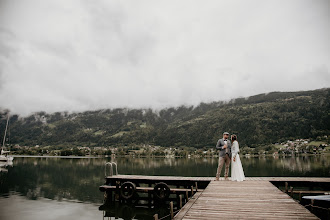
(192, 157)
(47, 156)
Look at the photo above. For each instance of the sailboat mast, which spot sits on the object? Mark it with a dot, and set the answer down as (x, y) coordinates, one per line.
(4, 137)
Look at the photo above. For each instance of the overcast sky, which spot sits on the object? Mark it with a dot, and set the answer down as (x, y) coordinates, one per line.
(84, 55)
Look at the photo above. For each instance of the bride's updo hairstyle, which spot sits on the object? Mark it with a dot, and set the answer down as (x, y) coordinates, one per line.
(233, 138)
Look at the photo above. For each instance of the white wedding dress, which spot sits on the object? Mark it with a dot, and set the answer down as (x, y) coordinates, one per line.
(237, 173)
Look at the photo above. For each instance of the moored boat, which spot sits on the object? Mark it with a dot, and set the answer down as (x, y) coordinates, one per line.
(4, 154)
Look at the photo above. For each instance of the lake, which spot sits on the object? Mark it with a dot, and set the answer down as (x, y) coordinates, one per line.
(67, 188)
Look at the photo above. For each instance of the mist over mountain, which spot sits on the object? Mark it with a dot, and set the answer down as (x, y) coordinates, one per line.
(260, 119)
(88, 55)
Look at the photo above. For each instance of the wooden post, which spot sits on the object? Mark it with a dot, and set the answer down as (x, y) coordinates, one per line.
(117, 210)
(117, 191)
(192, 190)
(105, 196)
(171, 210)
(291, 191)
(177, 194)
(110, 193)
(312, 204)
(187, 196)
(149, 197)
(300, 196)
(180, 196)
(286, 187)
(108, 196)
(196, 186)
(155, 216)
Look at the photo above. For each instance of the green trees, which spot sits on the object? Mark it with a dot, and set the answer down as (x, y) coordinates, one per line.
(257, 120)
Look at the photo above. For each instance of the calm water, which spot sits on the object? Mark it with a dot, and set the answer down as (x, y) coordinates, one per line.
(56, 188)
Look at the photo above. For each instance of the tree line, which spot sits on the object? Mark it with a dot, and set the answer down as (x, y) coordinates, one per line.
(257, 120)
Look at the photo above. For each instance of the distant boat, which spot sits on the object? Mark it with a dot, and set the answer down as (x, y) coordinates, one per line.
(4, 165)
(4, 154)
(5, 157)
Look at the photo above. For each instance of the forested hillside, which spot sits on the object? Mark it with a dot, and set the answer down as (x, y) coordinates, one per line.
(260, 119)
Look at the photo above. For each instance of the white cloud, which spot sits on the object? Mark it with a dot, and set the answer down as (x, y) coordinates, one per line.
(81, 55)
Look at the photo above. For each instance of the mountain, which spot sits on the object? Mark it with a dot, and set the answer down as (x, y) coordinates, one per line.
(260, 119)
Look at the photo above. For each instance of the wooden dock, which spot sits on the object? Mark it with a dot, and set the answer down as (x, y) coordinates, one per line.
(254, 198)
(251, 199)
(194, 179)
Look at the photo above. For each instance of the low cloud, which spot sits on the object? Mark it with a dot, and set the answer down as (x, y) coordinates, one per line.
(83, 55)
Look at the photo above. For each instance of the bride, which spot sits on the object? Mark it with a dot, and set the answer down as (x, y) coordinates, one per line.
(237, 173)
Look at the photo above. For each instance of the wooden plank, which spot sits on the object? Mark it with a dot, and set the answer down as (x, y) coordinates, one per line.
(248, 179)
(255, 199)
(187, 206)
(146, 189)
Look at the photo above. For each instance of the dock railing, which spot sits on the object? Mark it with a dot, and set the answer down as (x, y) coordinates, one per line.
(110, 164)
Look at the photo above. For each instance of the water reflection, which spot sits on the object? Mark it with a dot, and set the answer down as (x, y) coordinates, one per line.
(4, 165)
(77, 180)
(133, 210)
(317, 166)
(54, 178)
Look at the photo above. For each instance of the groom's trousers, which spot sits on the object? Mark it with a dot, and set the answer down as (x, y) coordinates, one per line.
(223, 160)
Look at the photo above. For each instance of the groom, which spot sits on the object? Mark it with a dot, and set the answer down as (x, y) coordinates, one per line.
(224, 145)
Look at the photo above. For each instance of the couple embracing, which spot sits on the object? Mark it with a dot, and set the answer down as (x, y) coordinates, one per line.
(229, 153)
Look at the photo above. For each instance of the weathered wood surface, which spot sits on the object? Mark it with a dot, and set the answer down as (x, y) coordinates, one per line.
(141, 177)
(183, 211)
(146, 189)
(243, 200)
(255, 198)
(185, 182)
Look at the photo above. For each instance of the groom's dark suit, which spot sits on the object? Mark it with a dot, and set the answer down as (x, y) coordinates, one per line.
(224, 156)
